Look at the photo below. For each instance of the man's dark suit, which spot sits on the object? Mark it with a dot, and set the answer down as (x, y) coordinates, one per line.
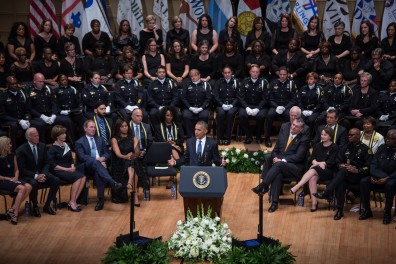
(295, 157)
(210, 154)
(28, 169)
(88, 165)
(340, 135)
(146, 137)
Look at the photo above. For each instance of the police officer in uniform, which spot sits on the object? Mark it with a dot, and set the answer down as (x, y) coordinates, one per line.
(353, 165)
(336, 96)
(387, 108)
(129, 95)
(382, 175)
(253, 98)
(225, 94)
(161, 92)
(44, 107)
(282, 96)
(310, 100)
(94, 93)
(69, 104)
(15, 111)
(196, 98)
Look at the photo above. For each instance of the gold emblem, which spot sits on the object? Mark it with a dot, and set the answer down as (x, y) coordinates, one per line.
(245, 22)
(201, 180)
(32, 94)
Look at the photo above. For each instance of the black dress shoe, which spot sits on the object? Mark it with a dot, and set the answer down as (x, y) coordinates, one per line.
(315, 208)
(36, 211)
(47, 209)
(321, 195)
(273, 207)
(99, 206)
(248, 141)
(227, 142)
(137, 204)
(260, 189)
(365, 215)
(338, 215)
(268, 143)
(387, 218)
(78, 209)
(117, 186)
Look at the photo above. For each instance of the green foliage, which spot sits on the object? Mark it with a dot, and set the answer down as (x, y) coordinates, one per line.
(155, 253)
(263, 255)
(241, 160)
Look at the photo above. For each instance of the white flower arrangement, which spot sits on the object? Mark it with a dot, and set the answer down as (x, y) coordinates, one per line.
(200, 237)
(241, 160)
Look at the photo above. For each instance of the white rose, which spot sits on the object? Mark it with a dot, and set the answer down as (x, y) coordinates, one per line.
(252, 159)
(217, 219)
(245, 156)
(179, 223)
(238, 151)
(255, 153)
(233, 160)
(224, 153)
(228, 160)
(225, 225)
(194, 252)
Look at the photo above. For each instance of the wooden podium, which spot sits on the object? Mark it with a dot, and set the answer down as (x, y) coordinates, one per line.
(201, 185)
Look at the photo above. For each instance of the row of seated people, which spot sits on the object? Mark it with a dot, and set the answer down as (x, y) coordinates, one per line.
(340, 163)
(178, 64)
(34, 166)
(253, 98)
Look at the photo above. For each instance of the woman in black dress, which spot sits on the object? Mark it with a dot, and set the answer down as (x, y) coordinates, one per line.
(48, 67)
(312, 38)
(388, 44)
(61, 165)
(151, 60)
(22, 69)
(340, 42)
(205, 63)
(231, 32)
(205, 31)
(232, 58)
(9, 174)
(350, 68)
(366, 40)
(19, 38)
(258, 32)
(326, 64)
(323, 161)
(68, 37)
(132, 59)
(259, 57)
(177, 63)
(124, 38)
(178, 32)
(169, 130)
(125, 149)
(150, 32)
(283, 34)
(45, 39)
(4, 71)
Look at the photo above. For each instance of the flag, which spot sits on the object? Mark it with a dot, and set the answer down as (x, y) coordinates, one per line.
(388, 16)
(40, 10)
(190, 11)
(275, 8)
(73, 12)
(303, 11)
(160, 9)
(335, 10)
(220, 11)
(364, 10)
(132, 11)
(248, 10)
(96, 9)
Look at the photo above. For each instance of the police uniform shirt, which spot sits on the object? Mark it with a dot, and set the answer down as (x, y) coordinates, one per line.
(126, 92)
(162, 93)
(282, 93)
(92, 96)
(225, 92)
(42, 101)
(384, 162)
(253, 94)
(356, 155)
(67, 98)
(387, 104)
(310, 98)
(13, 106)
(196, 94)
(338, 97)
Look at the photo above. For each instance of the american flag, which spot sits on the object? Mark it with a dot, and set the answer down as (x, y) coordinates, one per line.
(40, 10)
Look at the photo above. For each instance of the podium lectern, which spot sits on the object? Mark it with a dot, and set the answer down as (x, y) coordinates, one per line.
(203, 185)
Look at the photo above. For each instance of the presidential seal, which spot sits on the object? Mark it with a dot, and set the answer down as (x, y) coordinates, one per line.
(245, 22)
(201, 180)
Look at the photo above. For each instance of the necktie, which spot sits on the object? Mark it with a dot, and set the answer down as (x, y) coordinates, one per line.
(35, 154)
(288, 142)
(137, 134)
(102, 129)
(199, 149)
(93, 148)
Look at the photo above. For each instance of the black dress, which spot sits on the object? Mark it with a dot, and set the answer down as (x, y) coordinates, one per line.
(7, 170)
(327, 154)
(119, 169)
(62, 156)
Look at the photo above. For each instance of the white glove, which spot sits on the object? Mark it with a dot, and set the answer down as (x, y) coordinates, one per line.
(225, 107)
(65, 112)
(230, 106)
(107, 109)
(24, 124)
(159, 108)
(45, 118)
(52, 119)
(307, 113)
(248, 110)
(255, 111)
(384, 118)
(192, 109)
(279, 110)
(199, 110)
(330, 108)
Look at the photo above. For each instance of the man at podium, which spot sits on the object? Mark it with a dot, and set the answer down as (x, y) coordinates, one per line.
(200, 150)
